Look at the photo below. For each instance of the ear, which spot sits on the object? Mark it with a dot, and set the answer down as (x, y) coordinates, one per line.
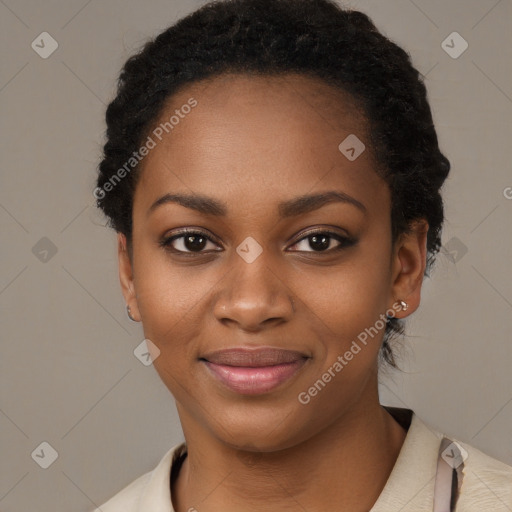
(408, 266)
(126, 276)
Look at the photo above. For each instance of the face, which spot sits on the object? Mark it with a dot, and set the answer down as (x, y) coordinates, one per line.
(251, 230)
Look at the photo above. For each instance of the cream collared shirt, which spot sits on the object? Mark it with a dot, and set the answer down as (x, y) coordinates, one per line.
(486, 484)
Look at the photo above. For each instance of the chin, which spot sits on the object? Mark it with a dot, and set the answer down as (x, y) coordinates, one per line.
(264, 432)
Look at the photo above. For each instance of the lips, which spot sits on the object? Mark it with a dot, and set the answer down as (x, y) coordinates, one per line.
(253, 371)
(253, 357)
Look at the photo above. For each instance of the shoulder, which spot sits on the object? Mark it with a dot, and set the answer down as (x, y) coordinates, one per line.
(486, 483)
(152, 489)
(127, 500)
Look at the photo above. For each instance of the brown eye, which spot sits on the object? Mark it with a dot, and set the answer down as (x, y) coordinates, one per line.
(187, 242)
(322, 241)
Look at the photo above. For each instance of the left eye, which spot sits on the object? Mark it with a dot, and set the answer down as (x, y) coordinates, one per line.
(320, 241)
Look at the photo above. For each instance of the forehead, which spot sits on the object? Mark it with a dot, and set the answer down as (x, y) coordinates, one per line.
(299, 97)
(258, 137)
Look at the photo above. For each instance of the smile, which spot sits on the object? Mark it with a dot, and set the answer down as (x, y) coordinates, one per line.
(254, 371)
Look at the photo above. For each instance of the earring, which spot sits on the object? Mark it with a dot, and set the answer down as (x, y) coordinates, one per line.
(130, 314)
(404, 305)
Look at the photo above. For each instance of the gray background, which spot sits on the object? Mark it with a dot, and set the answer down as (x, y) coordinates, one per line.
(68, 373)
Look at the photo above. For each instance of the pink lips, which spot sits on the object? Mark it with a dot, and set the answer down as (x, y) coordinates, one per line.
(253, 371)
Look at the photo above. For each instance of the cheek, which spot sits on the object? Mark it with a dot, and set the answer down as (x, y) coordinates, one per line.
(349, 297)
(345, 314)
(166, 292)
(168, 304)
(172, 301)
(345, 307)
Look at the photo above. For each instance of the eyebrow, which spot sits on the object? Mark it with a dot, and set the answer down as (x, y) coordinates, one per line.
(290, 208)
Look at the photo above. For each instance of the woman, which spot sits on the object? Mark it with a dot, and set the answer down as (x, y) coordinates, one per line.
(273, 174)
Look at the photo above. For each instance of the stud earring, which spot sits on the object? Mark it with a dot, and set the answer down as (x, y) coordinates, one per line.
(130, 314)
(404, 305)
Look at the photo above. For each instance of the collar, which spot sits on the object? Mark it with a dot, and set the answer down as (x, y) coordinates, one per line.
(410, 486)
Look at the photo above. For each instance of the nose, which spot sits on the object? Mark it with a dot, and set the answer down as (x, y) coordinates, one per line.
(254, 297)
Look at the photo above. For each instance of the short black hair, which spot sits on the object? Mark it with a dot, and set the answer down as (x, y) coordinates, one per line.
(317, 38)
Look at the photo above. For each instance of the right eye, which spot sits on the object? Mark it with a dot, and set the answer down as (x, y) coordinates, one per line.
(187, 241)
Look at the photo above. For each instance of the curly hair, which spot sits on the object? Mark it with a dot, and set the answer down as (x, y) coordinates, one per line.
(317, 38)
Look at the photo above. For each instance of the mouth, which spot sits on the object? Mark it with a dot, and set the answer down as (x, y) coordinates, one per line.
(253, 371)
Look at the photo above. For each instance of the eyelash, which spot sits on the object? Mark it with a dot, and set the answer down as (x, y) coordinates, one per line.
(345, 242)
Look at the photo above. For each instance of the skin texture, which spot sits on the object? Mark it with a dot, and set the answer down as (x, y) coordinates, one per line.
(251, 143)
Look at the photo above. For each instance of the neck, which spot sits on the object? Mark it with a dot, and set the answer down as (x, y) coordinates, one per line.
(346, 464)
